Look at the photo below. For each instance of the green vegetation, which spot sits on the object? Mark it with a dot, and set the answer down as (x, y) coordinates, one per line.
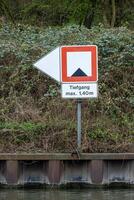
(111, 13)
(33, 117)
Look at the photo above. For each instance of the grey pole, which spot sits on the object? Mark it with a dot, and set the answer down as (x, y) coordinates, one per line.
(79, 124)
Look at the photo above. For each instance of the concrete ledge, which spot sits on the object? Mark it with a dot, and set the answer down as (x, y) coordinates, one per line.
(85, 170)
(67, 156)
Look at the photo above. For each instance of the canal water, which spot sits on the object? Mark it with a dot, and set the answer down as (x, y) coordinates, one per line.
(90, 194)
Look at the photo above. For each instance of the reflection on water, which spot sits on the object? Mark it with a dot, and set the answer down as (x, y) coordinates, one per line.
(93, 194)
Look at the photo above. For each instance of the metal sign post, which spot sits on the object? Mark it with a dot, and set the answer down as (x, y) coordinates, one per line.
(79, 102)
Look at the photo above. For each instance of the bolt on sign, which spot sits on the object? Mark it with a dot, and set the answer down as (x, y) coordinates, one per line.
(75, 67)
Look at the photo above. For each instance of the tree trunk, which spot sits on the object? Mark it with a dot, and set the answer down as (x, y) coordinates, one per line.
(105, 8)
(113, 18)
(90, 15)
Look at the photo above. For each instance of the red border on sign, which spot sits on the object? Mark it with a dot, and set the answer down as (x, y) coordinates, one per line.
(93, 50)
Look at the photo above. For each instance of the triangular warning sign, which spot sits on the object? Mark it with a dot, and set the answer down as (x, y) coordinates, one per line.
(79, 72)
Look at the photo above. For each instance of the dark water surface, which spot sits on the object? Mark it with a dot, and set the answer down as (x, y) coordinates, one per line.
(93, 194)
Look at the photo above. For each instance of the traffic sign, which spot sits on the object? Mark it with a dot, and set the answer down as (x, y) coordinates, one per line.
(79, 64)
(50, 64)
(79, 90)
(76, 68)
(70, 65)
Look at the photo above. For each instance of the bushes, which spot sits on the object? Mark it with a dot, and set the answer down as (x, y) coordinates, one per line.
(28, 96)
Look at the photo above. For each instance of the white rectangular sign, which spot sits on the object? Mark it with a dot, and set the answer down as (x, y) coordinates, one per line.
(79, 90)
(83, 61)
